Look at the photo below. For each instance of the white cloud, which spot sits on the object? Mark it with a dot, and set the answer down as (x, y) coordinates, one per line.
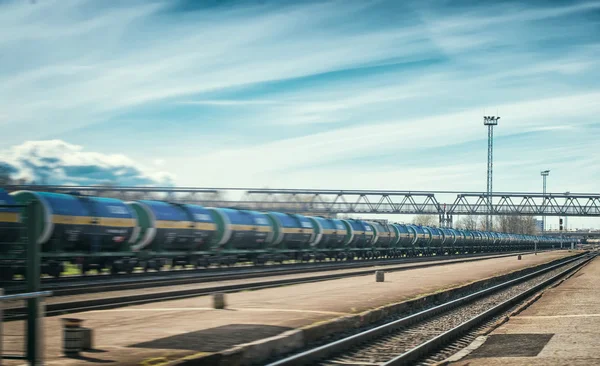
(57, 162)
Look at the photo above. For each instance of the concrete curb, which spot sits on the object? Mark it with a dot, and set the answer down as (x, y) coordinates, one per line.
(263, 350)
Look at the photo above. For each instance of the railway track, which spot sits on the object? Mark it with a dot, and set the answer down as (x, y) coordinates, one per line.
(413, 338)
(19, 311)
(104, 283)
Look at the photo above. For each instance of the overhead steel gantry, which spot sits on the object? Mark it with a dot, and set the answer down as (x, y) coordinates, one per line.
(328, 202)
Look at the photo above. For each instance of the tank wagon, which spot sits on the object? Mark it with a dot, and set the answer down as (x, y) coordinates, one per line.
(106, 233)
(10, 230)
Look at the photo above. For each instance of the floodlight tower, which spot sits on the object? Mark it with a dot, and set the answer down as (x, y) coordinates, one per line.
(544, 174)
(490, 122)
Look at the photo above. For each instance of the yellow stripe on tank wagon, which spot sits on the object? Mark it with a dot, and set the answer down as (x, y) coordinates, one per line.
(90, 220)
(333, 231)
(9, 217)
(71, 220)
(116, 222)
(296, 230)
(241, 227)
(262, 229)
(166, 224)
(207, 226)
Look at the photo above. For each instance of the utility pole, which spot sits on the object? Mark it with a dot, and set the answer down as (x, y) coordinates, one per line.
(544, 174)
(490, 122)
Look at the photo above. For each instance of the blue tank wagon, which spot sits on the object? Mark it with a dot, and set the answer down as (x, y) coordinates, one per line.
(292, 236)
(172, 234)
(423, 238)
(437, 241)
(93, 232)
(10, 219)
(407, 238)
(331, 239)
(450, 239)
(11, 253)
(384, 239)
(477, 243)
(395, 239)
(243, 235)
(361, 238)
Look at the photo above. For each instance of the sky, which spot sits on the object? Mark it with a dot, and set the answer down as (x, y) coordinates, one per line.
(362, 94)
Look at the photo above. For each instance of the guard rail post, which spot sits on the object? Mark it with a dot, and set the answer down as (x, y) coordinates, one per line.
(1, 323)
(33, 285)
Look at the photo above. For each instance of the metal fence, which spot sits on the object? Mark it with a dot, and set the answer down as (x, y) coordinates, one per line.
(20, 272)
(18, 340)
(13, 246)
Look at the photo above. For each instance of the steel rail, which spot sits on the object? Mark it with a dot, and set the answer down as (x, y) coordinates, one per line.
(96, 283)
(433, 344)
(336, 347)
(25, 296)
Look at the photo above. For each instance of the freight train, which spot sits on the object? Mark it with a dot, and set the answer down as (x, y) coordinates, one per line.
(100, 233)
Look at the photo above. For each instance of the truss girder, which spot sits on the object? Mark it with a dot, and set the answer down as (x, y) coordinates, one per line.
(530, 205)
(352, 201)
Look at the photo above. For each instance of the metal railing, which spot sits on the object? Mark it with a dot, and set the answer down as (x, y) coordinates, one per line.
(34, 340)
(21, 256)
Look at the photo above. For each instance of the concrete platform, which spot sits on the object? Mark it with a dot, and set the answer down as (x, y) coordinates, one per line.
(154, 333)
(560, 328)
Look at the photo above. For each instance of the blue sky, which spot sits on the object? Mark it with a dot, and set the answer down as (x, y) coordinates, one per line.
(306, 94)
